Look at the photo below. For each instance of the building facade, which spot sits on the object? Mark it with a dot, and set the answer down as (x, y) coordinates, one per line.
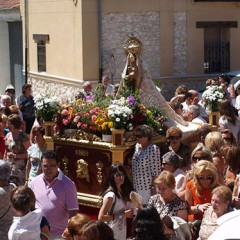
(184, 41)
(10, 45)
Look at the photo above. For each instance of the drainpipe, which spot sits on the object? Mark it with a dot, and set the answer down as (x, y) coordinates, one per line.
(100, 38)
(26, 39)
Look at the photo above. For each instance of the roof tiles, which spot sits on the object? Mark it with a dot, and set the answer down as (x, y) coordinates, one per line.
(9, 4)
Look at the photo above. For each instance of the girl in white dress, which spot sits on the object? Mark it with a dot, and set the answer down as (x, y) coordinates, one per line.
(115, 208)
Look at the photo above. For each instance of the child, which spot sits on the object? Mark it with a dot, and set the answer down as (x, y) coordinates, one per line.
(27, 223)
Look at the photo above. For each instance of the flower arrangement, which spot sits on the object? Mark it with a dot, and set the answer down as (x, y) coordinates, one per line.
(85, 117)
(67, 117)
(120, 113)
(103, 123)
(47, 107)
(214, 95)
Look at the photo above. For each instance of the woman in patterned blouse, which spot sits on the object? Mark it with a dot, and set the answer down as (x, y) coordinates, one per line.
(146, 164)
(166, 201)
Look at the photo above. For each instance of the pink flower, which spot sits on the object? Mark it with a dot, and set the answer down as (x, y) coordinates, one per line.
(66, 121)
(94, 117)
(86, 114)
(93, 128)
(79, 124)
(84, 126)
(64, 112)
(76, 119)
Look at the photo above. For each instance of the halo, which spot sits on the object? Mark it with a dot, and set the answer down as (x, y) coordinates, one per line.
(133, 45)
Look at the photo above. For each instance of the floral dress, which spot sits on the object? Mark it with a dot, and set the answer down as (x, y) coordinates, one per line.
(35, 154)
(16, 146)
(209, 225)
(171, 208)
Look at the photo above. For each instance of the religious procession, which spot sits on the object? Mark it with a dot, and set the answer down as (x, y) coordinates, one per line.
(119, 158)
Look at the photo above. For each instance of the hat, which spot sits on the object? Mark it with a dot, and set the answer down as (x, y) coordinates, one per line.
(9, 87)
(173, 159)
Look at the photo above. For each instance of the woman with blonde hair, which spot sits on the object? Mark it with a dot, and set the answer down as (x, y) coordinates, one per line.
(215, 142)
(166, 200)
(199, 153)
(198, 190)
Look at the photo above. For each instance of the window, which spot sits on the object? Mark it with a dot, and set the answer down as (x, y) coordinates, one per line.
(216, 45)
(41, 56)
(41, 40)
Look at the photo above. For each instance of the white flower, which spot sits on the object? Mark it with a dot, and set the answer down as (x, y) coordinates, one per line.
(118, 119)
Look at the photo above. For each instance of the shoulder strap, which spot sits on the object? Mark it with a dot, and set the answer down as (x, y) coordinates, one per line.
(113, 205)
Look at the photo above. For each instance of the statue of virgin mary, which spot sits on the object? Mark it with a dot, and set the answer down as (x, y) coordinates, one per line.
(136, 76)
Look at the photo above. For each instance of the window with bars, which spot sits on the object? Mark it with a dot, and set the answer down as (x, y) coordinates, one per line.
(41, 40)
(41, 56)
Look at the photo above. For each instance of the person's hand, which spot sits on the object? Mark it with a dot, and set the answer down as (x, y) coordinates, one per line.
(11, 155)
(128, 213)
(204, 207)
(228, 181)
(236, 202)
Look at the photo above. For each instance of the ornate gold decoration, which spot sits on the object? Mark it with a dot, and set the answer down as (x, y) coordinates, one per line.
(99, 173)
(133, 45)
(117, 136)
(65, 161)
(81, 153)
(82, 169)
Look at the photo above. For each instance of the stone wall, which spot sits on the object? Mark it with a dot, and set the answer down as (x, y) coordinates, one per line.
(64, 91)
(117, 27)
(180, 43)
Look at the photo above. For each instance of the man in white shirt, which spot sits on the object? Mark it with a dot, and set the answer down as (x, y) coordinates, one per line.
(193, 115)
(109, 87)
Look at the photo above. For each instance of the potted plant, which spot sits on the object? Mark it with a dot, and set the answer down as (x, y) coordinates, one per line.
(47, 108)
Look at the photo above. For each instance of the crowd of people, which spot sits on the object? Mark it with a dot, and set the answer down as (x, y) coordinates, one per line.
(181, 190)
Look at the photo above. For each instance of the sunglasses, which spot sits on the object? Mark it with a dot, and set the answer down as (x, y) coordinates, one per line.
(164, 163)
(196, 159)
(209, 177)
(174, 137)
(138, 136)
(227, 139)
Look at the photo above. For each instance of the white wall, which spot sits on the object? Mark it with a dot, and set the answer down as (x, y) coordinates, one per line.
(4, 57)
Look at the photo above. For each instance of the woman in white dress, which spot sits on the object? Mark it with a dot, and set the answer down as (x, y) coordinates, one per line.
(115, 208)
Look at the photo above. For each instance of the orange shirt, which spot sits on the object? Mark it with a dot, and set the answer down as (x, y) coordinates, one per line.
(204, 197)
